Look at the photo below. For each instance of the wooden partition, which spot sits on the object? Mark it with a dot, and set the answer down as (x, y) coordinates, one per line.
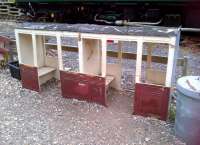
(152, 97)
(95, 76)
(92, 81)
(25, 49)
(36, 68)
(91, 56)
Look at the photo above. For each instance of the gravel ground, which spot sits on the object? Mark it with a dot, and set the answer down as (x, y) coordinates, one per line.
(30, 118)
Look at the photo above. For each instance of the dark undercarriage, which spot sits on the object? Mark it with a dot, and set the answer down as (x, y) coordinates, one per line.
(164, 14)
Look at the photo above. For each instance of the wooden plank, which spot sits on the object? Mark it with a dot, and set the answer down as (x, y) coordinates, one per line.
(18, 47)
(155, 76)
(185, 66)
(125, 55)
(109, 79)
(29, 77)
(45, 70)
(83, 87)
(104, 57)
(128, 55)
(149, 55)
(59, 49)
(35, 58)
(115, 70)
(171, 64)
(80, 53)
(151, 100)
(91, 56)
(139, 61)
(120, 51)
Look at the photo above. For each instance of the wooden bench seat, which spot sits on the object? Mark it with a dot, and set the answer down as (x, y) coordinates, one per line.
(45, 74)
(109, 79)
(67, 68)
(45, 70)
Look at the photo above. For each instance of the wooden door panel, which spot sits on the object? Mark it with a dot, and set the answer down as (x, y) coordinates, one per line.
(29, 77)
(98, 90)
(83, 87)
(151, 100)
(74, 86)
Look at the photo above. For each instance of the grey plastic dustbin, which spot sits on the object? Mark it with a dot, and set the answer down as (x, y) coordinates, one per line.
(187, 124)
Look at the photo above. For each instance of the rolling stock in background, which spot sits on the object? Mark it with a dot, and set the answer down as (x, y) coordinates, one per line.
(184, 13)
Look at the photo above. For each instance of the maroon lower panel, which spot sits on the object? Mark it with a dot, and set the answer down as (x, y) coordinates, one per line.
(83, 87)
(29, 77)
(151, 100)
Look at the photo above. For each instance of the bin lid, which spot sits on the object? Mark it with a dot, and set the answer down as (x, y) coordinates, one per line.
(189, 86)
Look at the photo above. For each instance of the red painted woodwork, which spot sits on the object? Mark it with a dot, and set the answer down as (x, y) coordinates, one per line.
(83, 87)
(4, 39)
(151, 100)
(110, 41)
(29, 77)
(3, 42)
(98, 90)
(4, 50)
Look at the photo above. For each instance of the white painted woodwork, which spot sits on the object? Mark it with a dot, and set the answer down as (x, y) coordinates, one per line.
(92, 53)
(115, 70)
(109, 79)
(80, 54)
(172, 60)
(139, 61)
(43, 79)
(18, 47)
(40, 51)
(104, 58)
(59, 47)
(25, 48)
(45, 74)
(91, 56)
(53, 62)
(35, 51)
(45, 70)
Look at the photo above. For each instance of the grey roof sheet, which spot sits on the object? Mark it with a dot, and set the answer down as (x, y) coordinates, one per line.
(136, 30)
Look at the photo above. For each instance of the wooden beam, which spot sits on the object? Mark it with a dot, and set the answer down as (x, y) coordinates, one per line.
(125, 55)
(138, 61)
(18, 47)
(104, 57)
(59, 50)
(80, 54)
(35, 56)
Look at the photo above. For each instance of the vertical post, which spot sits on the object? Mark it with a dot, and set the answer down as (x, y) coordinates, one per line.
(149, 55)
(44, 48)
(59, 48)
(138, 61)
(18, 46)
(35, 58)
(185, 66)
(120, 51)
(104, 57)
(172, 60)
(80, 53)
